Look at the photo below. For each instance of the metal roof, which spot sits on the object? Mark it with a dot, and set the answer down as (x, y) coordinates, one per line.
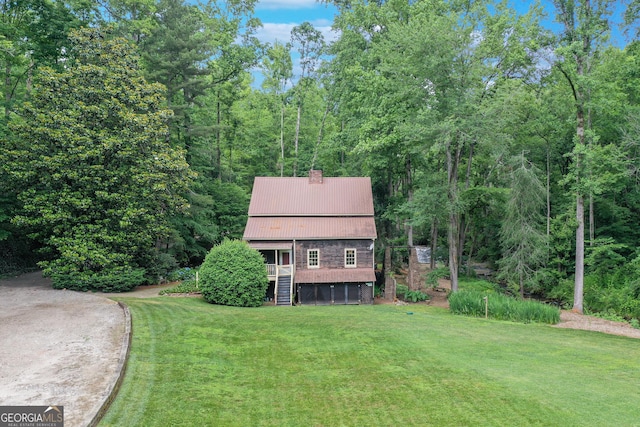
(290, 228)
(333, 196)
(271, 245)
(340, 275)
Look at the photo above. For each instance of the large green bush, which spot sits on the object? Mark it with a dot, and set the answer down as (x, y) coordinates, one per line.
(234, 274)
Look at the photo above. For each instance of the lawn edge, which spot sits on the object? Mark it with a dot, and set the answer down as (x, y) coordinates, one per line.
(122, 367)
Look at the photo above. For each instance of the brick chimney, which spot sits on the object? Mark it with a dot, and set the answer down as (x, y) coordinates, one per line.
(315, 176)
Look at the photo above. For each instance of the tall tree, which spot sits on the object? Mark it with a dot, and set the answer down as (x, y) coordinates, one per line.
(522, 235)
(310, 45)
(278, 74)
(98, 177)
(585, 27)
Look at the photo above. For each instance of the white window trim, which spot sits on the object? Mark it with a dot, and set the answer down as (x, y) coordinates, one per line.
(317, 251)
(355, 258)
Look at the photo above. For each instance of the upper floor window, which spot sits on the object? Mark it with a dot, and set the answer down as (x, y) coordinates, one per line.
(350, 258)
(313, 258)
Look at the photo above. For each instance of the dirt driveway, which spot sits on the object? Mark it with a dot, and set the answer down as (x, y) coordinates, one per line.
(59, 347)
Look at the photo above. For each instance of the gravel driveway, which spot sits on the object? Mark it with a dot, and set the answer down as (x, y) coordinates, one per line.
(59, 347)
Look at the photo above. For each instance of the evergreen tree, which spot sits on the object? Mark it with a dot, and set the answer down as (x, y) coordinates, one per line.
(522, 234)
(97, 177)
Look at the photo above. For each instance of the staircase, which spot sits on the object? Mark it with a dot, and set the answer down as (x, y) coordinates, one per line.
(284, 291)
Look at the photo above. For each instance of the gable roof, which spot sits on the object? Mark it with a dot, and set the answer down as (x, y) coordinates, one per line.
(296, 208)
(335, 196)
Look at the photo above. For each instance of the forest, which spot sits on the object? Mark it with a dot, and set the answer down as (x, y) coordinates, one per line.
(132, 131)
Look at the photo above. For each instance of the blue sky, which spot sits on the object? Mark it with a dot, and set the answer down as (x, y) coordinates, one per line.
(280, 16)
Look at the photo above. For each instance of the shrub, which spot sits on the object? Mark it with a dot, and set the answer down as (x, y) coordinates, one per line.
(182, 274)
(434, 275)
(234, 274)
(114, 280)
(186, 287)
(502, 307)
(415, 296)
(401, 290)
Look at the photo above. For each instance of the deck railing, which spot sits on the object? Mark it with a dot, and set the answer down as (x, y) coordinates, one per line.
(279, 270)
(271, 269)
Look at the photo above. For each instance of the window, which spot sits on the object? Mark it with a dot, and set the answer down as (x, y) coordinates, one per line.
(313, 258)
(350, 258)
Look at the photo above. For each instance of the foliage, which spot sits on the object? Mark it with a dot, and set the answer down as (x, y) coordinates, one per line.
(97, 176)
(113, 280)
(502, 307)
(186, 287)
(403, 292)
(478, 285)
(401, 289)
(434, 275)
(523, 241)
(182, 274)
(234, 274)
(415, 296)
(502, 374)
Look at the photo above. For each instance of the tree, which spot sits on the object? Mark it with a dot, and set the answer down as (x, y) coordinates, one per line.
(522, 237)
(98, 178)
(585, 27)
(310, 44)
(279, 71)
(421, 95)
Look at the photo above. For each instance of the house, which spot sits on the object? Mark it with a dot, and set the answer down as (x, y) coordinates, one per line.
(317, 236)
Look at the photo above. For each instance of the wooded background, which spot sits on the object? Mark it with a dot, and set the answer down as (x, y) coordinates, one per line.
(132, 131)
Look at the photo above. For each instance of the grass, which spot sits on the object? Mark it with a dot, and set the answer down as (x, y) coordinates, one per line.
(502, 307)
(196, 364)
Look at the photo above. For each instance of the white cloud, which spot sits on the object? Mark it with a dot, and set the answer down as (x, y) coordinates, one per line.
(270, 32)
(286, 4)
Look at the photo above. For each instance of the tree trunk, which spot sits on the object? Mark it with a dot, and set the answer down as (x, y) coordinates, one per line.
(579, 271)
(521, 285)
(324, 119)
(548, 192)
(579, 280)
(218, 139)
(295, 142)
(410, 199)
(282, 140)
(389, 284)
(592, 221)
(434, 243)
(453, 250)
(453, 160)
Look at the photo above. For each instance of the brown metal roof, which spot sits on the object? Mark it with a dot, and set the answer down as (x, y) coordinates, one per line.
(271, 245)
(289, 228)
(335, 196)
(342, 275)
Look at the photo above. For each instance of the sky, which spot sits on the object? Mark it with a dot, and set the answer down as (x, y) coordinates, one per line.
(280, 16)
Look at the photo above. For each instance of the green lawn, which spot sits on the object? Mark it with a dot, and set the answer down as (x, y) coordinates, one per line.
(196, 364)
